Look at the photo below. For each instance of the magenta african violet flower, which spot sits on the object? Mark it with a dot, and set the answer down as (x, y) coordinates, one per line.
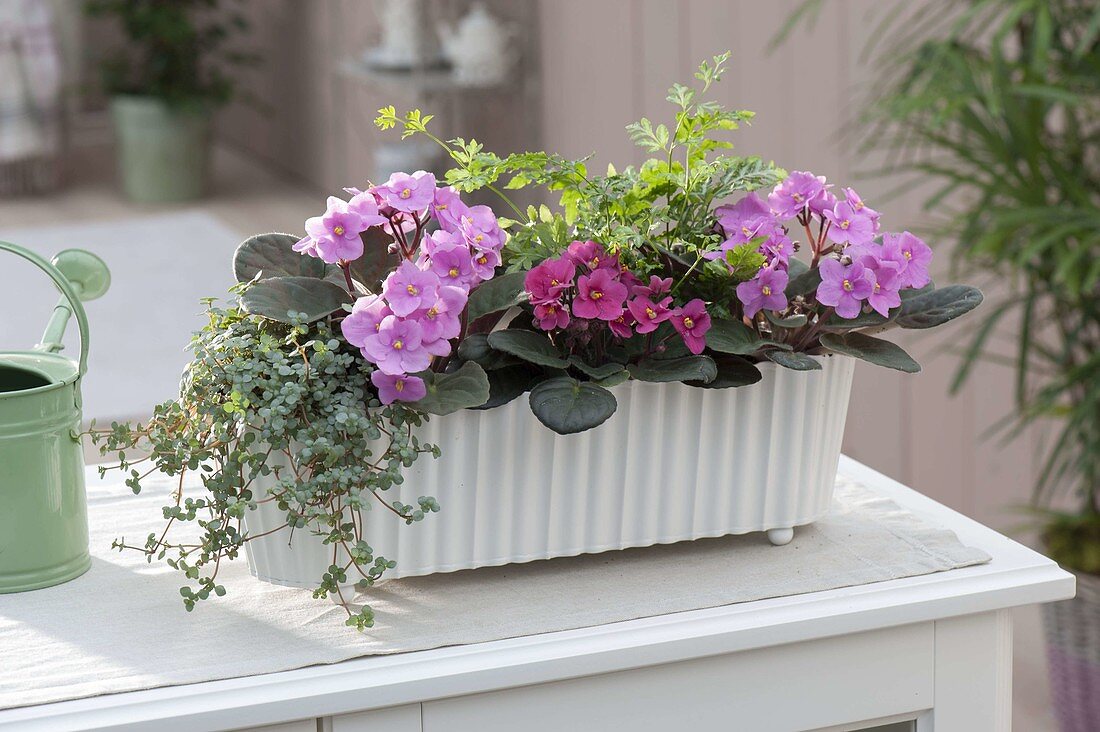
(551, 315)
(649, 314)
(692, 321)
(791, 196)
(407, 193)
(655, 289)
(765, 291)
(397, 347)
(622, 326)
(586, 254)
(364, 320)
(910, 250)
(844, 287)
(846, 226)
(398, 387)
(545, 282)
(599, 295)
(409, 288)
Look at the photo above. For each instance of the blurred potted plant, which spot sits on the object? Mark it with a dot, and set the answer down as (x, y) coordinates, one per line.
(165, 81)
(998, 103)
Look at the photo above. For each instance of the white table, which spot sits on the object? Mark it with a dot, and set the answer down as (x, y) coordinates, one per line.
(936, 649)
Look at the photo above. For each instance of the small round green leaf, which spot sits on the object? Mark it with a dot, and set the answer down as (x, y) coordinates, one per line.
(567, 406)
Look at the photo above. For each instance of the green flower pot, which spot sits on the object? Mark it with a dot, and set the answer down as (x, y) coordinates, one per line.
(163, 151)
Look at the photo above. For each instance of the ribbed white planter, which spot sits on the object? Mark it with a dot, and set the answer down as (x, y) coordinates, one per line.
(673, 463)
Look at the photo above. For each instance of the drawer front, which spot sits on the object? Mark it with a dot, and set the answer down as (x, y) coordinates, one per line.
(799, 686)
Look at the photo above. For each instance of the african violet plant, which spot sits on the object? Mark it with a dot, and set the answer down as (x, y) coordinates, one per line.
(403, 302)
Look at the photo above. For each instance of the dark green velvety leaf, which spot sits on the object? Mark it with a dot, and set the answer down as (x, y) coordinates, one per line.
(533, 347)
(871, 349)
(567, 406)
(475, 347)
(614, 379)
(499, 293)
(938, 306)
(686, 368)
(466, 387)
(376, 262)
(595, 372)
(505, 385)
(793, 360)
(863, 320)
(274, 298)
(803, 284)
(271, 255)
(734, 337)
(796, 267)
(793, 321)
(732, 372)
(911, 292)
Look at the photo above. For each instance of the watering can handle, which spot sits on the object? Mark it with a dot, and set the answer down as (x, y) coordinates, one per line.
(66, 289)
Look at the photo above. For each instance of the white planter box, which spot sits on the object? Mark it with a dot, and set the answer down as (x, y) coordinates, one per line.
(673, 463)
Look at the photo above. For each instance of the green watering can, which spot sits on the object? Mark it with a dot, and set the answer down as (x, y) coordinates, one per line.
(43, 509)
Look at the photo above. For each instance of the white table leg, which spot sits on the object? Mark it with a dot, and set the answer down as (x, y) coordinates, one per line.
(973, 675)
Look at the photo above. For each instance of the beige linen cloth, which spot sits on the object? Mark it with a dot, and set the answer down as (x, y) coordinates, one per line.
(122, 626)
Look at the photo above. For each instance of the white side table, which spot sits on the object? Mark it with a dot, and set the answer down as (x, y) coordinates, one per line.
(935, 649)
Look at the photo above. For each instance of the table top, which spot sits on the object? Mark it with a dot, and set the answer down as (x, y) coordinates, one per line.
(1015, 576)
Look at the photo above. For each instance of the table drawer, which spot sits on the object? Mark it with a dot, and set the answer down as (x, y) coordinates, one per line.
(799, 686)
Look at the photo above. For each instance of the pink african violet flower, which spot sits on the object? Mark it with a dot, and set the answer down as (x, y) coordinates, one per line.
(454, 266)
(551, 315)
(823, 201)
(333, 236)
(479, 226)
(885, 293)
(778, 248)
(765, 291)
(655, 289)
(790, 197)
(621, 326)
(397, 347)
(844, 287)
(365, 205)
(649, 314)
(847, 226)
(485, 263)
(364, 320)
(441, 320)
(743, 219)
(586, 254)
(398, 387)
(913, 253)
(407, 193)
(692, 321)
(448, 208)
(860, 207)
(438, 241)
(599, 295)
(409, 288)
(546, 281)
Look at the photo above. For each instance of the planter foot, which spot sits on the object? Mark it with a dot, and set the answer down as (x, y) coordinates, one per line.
(779, 537)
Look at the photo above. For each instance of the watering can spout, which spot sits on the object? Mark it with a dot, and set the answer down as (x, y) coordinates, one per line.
(89, 278)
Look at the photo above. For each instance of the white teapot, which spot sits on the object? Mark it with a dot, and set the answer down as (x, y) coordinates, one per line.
(478, 47)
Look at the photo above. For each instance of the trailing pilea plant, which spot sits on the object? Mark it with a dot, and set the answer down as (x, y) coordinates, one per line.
(402, 301)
